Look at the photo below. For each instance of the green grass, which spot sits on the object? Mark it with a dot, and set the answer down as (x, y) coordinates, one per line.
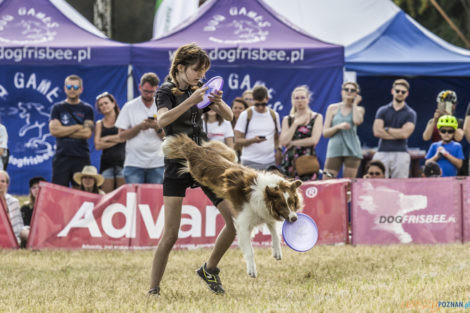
(324, 279)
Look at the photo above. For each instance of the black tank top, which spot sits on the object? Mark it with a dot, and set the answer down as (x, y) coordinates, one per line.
(190, 123)
(115, 155)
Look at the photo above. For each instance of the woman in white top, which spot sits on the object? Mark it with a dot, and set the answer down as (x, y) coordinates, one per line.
(217, 128)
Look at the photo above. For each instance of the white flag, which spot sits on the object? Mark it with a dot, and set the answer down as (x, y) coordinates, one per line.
(169, 13)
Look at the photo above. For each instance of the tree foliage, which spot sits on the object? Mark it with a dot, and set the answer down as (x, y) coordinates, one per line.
(426, 14)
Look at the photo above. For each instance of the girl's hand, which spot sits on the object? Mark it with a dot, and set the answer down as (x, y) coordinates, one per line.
(216, 97)
(357, 99)
(198, 95)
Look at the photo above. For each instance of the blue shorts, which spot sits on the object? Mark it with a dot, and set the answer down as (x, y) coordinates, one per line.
(138, 175)
(113, 172)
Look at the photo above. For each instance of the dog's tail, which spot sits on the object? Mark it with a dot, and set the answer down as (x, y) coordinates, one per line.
(222, 149)
(176, 147)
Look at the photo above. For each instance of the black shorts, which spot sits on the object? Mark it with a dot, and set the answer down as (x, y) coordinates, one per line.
(176, 187)
(175, 184)
(63, 168)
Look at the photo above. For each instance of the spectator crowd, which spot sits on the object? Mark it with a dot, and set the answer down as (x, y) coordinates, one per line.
(130, 139)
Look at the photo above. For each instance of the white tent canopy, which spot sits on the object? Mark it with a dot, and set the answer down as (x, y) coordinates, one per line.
(337, 21)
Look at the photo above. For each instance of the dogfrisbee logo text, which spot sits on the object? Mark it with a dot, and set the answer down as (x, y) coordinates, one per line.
(30, 140)
(28, 26)
(239, 26)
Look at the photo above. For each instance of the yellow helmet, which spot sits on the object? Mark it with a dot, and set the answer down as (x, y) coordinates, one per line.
(447, 121)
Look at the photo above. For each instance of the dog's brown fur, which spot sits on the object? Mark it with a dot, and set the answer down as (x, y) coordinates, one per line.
(257, 197)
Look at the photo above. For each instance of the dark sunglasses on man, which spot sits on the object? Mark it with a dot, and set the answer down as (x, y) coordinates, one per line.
(258, 104)
(75, 87)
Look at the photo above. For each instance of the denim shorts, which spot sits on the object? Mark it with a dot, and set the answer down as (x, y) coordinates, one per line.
(138, 175)
(112, 172)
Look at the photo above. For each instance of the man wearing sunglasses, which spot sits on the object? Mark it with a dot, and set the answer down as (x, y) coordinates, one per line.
(393, 125)
(71, 122)
(447, 153)
(257, 133)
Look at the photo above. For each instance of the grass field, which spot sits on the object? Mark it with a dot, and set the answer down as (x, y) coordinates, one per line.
(324, 279)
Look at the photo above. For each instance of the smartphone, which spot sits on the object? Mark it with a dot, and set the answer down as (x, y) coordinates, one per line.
(262, 137)
(151, 117)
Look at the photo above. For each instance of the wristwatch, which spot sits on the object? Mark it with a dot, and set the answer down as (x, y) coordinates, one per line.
(386, 129)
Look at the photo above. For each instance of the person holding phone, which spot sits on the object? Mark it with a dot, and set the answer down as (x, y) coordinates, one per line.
(446, 102)
(257, 133)
(137, 125)
(341, 121)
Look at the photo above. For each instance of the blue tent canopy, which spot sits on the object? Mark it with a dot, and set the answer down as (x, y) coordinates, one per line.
(41, 43)
(403, 47)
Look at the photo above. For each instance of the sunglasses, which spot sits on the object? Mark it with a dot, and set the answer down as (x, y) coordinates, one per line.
(374, 173)
(401, 91)
(257, 104)
(350, 89)
(447, 131)
(102, 95)
(149, 92)
(75, 87)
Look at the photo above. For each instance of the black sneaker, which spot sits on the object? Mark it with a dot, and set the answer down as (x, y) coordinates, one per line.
(211, 278)
(154, 291)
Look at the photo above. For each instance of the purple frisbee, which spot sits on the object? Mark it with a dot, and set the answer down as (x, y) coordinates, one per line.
(214, 84)
(302, 234)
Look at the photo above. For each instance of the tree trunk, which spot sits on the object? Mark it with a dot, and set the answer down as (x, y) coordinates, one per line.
(102, 16)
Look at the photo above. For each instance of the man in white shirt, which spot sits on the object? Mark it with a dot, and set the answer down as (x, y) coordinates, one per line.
(137, 123)
(258, 139)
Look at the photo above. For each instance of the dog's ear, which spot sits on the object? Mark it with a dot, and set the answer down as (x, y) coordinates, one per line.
(272, 191)
(296, 184)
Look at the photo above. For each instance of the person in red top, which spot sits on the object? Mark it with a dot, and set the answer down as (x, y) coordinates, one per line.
(446, 104)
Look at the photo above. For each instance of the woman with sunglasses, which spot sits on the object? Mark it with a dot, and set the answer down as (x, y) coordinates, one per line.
(301, 131)
(447, 152)
(341, 121)
(107, 139)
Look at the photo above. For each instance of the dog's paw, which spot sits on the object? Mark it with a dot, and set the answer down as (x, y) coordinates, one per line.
(277, 254)
(252, 274)
(251, 270)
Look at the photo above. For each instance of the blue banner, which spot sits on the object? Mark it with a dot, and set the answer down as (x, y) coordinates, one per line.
(26, 98)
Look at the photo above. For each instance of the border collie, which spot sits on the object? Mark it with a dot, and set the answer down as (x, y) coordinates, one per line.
(257, 197)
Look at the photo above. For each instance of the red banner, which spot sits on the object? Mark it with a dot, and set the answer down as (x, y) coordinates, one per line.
(326, 202)
(132, 217)
(418, 210)
(466, 209)
(7, 236)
